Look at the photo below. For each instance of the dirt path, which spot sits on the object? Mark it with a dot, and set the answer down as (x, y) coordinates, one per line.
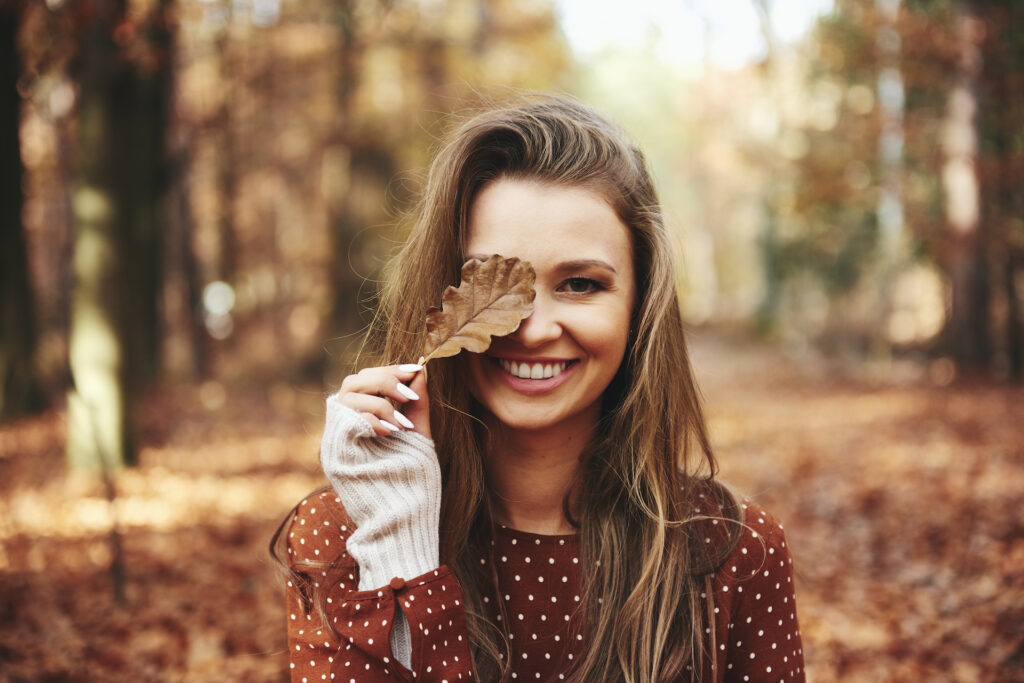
(901, 503)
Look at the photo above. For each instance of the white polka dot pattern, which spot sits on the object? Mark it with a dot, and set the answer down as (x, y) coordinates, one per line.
(539, 578)
(756, 628)
(432, 603)
(758, 635)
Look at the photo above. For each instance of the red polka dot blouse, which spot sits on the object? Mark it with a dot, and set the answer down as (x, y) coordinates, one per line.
(757, 634)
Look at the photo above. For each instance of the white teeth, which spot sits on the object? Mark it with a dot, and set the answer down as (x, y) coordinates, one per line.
(535, 371)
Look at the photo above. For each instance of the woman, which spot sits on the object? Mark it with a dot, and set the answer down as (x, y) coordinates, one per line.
(546, 510)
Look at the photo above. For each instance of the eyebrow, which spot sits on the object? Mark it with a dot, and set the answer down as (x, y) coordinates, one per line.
(576, 264)
(581, 264)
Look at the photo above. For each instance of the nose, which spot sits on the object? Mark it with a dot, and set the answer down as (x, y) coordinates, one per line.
(540, 327)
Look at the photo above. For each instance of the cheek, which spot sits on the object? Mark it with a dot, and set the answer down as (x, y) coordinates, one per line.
(471, 367)
(606, 334)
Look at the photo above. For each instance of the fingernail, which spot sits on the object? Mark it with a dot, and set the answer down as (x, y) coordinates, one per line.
(388, 425)
(403, 420)
(410, 367)
(407, 392)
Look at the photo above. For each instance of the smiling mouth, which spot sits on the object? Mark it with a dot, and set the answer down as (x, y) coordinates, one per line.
(534, 370)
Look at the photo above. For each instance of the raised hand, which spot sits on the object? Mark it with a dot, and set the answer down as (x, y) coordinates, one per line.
(368, 392)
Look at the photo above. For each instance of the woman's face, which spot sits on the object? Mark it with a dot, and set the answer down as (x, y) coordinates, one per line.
(553, 370)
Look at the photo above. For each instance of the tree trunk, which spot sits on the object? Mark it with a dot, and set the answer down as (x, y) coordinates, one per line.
(1014, 323)
(227, 163)
(183, 277)
(890, 209)
(1000, 117)
(767, 316)
(358, 186)
(968, 324)
(19, 389)
(142, 177)
(99, 423)
(119, 223)
(370, 169)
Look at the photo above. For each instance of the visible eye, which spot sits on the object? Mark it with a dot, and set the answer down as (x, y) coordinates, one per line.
(581, 285)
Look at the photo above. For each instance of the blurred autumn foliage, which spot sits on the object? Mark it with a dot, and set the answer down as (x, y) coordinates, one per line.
(196, 197)
(900, 501)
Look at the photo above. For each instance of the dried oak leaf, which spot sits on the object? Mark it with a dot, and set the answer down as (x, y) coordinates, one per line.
(493, 298)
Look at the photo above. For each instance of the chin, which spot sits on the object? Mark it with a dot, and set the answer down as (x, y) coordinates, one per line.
(540, 417)
(526, 423)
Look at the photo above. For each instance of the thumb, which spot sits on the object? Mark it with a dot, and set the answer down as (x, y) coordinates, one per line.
(419, 411)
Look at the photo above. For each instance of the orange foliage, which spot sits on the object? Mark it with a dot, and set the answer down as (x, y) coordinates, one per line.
(900, 499)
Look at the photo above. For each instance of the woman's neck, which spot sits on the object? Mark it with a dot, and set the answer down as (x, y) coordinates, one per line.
(529, 473)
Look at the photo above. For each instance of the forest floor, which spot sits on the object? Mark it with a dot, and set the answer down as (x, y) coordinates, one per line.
(902, 503)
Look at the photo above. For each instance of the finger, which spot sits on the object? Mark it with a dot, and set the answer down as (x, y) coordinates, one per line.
(378, 408)
(380, 427)
(418, 412)
(386, 381)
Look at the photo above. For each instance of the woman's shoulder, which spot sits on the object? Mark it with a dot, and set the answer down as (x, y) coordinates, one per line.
(753, 594)
(763, 540)
(760, 562)
(318, 528)
(735, 531)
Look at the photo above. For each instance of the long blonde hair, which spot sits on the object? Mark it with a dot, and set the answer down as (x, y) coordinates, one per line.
(649, 462)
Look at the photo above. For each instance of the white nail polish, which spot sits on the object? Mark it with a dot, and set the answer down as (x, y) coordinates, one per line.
(410, 367)
(407, 392)
(388, 425)
(403, 420)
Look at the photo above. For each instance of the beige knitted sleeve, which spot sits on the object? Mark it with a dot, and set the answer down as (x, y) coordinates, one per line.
(391, 488)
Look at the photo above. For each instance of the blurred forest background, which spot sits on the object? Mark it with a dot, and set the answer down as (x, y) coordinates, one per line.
(196, 197)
